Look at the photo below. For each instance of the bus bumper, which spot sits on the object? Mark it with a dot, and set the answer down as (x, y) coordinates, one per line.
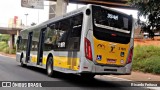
(105, 70)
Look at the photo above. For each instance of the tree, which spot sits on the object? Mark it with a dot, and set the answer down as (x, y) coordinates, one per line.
(4, 37)
(150, 9)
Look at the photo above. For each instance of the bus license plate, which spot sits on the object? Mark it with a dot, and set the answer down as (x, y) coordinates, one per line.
(111, 60)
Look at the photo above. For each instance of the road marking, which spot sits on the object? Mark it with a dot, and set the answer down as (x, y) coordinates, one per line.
(7, 56)
(119, 78)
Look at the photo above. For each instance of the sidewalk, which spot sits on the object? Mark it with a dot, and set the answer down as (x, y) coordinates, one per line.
(9, 55)
(135, 76)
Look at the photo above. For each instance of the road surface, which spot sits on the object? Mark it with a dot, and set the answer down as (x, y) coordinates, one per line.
(10, 70)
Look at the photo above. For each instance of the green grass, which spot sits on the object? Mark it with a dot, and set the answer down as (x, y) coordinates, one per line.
(5, 48)
(3, 45)
(147, 59)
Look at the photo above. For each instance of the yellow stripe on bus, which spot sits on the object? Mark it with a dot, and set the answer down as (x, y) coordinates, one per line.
(34, 59)
(66, 62)
(59, 61)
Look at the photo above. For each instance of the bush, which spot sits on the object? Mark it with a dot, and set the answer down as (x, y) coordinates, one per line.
(3, 45)
(6, 50)
(4, 37)
(147, 59)
(12, 51)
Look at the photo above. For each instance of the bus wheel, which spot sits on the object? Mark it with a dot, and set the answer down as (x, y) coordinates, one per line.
(22, 64)
(49, 66)
(87, 76)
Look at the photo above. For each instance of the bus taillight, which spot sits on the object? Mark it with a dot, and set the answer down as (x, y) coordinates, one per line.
(113, 35)
(129, 59)
(88, 50)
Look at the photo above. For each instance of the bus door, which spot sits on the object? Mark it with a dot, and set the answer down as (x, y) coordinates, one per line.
(40, 46)
(74, 47)
(29, 44)
(69, 46)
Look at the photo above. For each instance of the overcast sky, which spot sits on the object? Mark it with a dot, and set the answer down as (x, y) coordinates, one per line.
(11, 8)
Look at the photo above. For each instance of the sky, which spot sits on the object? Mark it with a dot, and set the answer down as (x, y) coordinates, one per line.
(11, 8)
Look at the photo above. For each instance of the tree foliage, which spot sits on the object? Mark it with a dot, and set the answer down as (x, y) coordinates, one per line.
(150, 9)
(4, 37)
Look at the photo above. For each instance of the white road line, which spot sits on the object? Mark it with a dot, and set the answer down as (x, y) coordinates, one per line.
(119, 78)
(7, 56)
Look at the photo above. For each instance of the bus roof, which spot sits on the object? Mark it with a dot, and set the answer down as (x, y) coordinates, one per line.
(80, 10)
(50, 21)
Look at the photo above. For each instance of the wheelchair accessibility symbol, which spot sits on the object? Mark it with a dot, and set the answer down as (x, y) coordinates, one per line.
(99, 57)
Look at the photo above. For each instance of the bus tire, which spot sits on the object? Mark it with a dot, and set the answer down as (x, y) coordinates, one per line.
(49, 66)
(22, 64)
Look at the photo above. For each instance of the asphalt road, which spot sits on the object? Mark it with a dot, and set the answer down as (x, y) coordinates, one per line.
(10, 70)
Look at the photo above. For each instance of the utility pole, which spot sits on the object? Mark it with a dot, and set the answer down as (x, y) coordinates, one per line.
(26, 17)
(38, 17)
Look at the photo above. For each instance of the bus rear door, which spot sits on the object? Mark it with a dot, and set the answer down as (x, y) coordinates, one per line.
(40, 46)
(29, 44)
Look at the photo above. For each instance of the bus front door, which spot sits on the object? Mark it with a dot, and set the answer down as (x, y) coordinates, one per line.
(40, 46)
(29, 44)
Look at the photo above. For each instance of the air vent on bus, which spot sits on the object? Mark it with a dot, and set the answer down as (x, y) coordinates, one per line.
(110, 70)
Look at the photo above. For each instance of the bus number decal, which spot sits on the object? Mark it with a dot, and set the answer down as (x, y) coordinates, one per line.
(111, 16)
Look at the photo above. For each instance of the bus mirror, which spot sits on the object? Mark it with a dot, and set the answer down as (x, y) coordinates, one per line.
(18, 39)
(88, 12)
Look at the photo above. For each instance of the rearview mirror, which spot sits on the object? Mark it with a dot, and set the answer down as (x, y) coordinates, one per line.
(18, 39)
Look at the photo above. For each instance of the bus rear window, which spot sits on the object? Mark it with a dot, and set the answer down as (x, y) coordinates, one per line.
(110, 25)
(111, 36)
(112, 20)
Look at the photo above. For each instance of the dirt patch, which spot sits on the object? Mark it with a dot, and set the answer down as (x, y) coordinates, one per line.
(155, 42)
(9, 55)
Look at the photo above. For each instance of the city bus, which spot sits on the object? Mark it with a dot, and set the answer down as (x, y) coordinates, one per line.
(93, 40)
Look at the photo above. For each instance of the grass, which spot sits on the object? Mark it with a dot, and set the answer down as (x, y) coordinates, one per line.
(5, 48)
(3, 45)
(147, 59)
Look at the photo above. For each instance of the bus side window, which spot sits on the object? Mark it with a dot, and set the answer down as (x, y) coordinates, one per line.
(62, 34)
(66, 33)
(19, 41)
(75, 33)
(75, 38)
(50, 41)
